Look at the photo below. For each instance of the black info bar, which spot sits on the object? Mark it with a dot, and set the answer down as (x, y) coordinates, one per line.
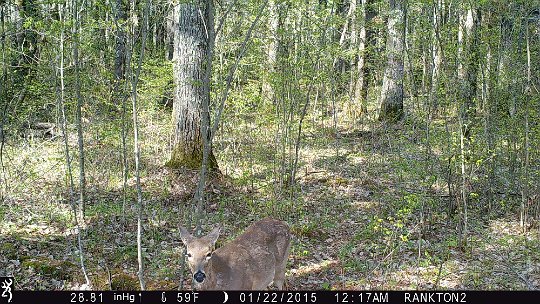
(240, 297)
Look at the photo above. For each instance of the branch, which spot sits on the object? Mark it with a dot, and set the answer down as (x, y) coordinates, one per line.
(222, 20)
(243, 48)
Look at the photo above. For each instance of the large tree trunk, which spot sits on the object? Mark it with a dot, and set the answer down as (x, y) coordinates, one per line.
(392, 88)
(190, 48)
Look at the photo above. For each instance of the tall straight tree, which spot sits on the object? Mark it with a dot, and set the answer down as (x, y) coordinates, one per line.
(273, 48)
(80, 139)
(122, 57)
(392, 88)
(467, 59)
(365, 41)
(468, 54)
(436, 51)
(169, 33)
(190, 48)
(353, 45)
(61, 106)
(120, 48)
(134, 81)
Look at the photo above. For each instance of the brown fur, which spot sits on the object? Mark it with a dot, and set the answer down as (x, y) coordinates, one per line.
(252, 261)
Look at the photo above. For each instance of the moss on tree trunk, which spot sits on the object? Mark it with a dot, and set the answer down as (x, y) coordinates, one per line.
(189, 58)
(180, 158)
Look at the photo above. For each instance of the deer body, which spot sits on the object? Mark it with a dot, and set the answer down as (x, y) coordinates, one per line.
(252, 261)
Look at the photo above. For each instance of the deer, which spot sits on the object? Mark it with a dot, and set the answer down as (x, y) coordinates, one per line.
(253, 261)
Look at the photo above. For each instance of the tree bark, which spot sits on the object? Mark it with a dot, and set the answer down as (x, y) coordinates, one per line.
(364, 55)
(190, 49)
(120, 52)
(436, 53)
(80, 136)
(353, 44)
(273, 49)
(524, 208)
(505, 69)
(468, 56)
(392, 88)
(170, 29)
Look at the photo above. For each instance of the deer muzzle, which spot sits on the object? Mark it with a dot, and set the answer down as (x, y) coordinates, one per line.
(199, 276)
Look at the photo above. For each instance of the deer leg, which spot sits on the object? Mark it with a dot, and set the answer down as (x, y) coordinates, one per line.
(279, 276)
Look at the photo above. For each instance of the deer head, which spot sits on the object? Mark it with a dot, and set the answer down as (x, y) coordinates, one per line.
(199, 252)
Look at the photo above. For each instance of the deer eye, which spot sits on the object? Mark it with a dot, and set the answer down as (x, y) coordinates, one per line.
(208, 254)
(188, 255)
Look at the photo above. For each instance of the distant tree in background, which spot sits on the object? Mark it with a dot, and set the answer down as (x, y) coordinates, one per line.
(364, 64)
(272, 48)
(392, 87)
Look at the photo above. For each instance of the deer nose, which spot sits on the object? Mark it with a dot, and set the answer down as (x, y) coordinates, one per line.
(199, 276)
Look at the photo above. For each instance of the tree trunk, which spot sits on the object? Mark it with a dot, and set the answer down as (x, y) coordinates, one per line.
(170, 29)
(488, 78)
(120, 52)
(436, 54)
(468, 56)
(190, 49)
(136, 148)
(392, 88)
(364, 59)
(467, 69)
(273, 49)
(506, 84)
(353, 44)
(524, 212)
(62, 110)
(78, 112)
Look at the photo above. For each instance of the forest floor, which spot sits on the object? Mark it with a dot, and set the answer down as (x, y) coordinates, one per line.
(369, 210)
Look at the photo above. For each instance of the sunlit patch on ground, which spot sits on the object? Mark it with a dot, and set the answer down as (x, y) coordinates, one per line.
(313, 267)
(505, 227)
(313, 275)
(365, 204)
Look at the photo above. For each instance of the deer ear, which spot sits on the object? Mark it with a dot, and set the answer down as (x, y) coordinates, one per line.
(185, 235)
(213, 235)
